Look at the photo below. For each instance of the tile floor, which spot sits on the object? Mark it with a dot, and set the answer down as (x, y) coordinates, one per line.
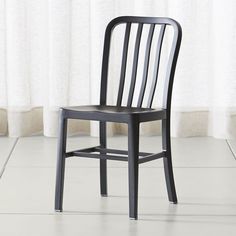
(205, 173)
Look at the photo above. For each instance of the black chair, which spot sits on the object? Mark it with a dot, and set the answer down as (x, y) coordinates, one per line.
(130, 114)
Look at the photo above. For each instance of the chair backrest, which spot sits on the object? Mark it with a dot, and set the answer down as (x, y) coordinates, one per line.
(129, 21)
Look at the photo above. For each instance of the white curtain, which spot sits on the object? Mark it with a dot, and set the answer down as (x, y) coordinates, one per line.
(50, 56)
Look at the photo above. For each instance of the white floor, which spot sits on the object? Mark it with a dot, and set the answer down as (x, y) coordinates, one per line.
(205, 173)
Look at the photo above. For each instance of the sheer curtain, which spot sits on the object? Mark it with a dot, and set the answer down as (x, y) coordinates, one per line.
(50, 56)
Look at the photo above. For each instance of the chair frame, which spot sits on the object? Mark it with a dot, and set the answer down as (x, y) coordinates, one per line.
(132, 119)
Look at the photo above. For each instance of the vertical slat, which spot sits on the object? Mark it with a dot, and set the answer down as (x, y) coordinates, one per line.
(146, 65)
(156, 65)
(124, 63)
(135, 64)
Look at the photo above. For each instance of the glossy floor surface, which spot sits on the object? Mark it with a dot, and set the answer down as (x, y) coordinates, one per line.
(205, 174)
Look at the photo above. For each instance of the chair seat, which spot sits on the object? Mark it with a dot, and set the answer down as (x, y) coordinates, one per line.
(113, 113)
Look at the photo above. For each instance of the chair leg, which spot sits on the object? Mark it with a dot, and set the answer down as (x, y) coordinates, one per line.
(133, 150)
(60, 162)
(169, 176)
(103, 163)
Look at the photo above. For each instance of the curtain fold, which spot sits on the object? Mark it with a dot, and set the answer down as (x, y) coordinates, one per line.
(51, 53)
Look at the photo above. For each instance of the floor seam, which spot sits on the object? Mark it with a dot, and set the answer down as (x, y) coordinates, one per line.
(87, 167)
(231, 149)
(8, 158)
(112, 214)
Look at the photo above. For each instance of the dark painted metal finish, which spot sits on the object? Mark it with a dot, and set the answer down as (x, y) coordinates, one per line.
(156, 66)
(104, 154)
(167, 160)
(103, 162)
(123, 65)
(128, 114)
(146, 65)
(61, 155)
(133, 150)
(135, 64)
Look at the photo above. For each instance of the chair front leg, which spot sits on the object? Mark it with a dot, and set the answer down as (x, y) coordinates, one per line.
(103, 163)
(169, 176)
(133, 150)
(61, 150)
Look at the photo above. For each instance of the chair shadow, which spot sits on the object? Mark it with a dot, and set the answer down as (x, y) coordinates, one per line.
(170, 216)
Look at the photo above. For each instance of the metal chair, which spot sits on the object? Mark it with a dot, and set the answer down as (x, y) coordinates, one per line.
(130, 114)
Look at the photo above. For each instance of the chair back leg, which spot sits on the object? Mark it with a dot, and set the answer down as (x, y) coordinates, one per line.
(169, 176)
(103, 163)
(133, 167)
(60, 162)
